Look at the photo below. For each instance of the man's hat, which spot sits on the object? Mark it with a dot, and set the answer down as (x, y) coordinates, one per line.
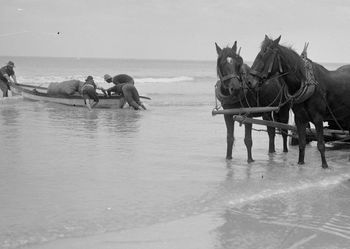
(107, 77)
(10, 63)
(89, 78)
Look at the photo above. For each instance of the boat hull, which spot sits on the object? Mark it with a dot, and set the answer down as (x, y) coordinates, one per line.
(36, 93)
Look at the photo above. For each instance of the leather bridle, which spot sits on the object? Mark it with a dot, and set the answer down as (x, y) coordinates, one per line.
(263, 76)
(228, 76)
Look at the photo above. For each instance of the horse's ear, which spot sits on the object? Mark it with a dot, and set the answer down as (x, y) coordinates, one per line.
(234, 47)
(218, 49)
(275, 42)
(266, 37)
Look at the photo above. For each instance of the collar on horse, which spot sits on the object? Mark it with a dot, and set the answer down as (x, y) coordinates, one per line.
(308, 85)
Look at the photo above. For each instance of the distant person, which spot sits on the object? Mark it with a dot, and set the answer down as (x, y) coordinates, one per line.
(124, 85)
(88, 91)
(7, 75)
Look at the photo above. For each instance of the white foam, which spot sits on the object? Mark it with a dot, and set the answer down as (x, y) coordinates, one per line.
(46, 80)
(164, 80)
(265, 194)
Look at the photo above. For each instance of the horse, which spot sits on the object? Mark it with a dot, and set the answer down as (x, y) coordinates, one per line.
(232, 92)
(316, 94)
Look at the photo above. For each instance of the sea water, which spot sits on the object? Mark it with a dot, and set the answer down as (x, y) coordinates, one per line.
(66, 172)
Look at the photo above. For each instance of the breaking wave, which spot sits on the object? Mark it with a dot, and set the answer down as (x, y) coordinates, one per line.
(45, 80)
(164, 80)
(302, 186)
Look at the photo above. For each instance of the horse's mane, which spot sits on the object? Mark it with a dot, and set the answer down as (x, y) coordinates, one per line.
(291, 61)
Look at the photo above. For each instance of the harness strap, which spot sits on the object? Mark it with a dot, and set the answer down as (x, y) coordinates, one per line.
(270, 68)
(279, 63)
(229, 76)
(226, 77)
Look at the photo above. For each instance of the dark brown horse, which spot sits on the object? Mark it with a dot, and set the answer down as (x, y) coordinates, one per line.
(233, 92)
(324, 97)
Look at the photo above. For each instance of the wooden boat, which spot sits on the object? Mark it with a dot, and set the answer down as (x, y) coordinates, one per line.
(39, 93)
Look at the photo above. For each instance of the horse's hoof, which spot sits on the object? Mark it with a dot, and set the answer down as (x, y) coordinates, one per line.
(229, 158)
(285, 151)
(325, 166)
(272, 151)
(250, 160)
(301, 163)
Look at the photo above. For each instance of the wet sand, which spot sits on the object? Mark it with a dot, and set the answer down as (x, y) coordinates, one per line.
(208, 231)
(191, 233)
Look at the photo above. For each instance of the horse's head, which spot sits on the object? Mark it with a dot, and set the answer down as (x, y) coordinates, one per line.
(266, 63)
(229, 64)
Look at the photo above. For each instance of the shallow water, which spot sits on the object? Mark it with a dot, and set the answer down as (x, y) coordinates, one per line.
(69, 173)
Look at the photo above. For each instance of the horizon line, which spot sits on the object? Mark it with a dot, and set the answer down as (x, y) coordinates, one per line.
(107, 58)
(146, 59)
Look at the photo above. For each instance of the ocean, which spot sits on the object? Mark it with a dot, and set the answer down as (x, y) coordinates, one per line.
(71, 178)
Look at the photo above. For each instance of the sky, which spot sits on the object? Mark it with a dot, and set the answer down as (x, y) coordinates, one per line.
(172, 29)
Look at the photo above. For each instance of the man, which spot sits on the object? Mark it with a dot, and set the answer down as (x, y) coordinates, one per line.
(6, 73)
(88, 91)
(124, 84)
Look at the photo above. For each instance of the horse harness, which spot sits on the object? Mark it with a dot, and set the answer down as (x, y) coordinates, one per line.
(307, 87)
(241, 77)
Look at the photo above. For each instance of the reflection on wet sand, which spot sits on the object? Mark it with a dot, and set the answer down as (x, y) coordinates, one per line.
(114, 120)
(301, 218)
(10, 123)
(9, 116)
(121, 121)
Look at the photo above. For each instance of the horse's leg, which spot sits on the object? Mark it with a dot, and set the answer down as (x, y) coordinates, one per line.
(248, 141)
(301, 129)
(230, 125)
(318, 122)
(271, 131)
(283, 117)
